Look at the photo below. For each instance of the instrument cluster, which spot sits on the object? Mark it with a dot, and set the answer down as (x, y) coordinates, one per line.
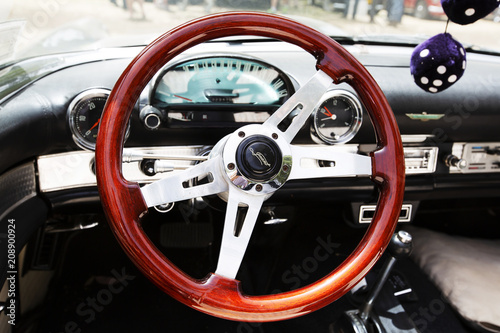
(219, 91)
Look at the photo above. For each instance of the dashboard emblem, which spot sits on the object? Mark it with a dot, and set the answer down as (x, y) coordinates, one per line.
(262, 159)
(424, 116)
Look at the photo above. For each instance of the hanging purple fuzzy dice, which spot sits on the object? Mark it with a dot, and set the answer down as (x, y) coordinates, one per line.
(438, 63)
(468, 11)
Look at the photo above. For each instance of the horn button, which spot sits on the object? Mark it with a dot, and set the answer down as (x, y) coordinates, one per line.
(259, 158)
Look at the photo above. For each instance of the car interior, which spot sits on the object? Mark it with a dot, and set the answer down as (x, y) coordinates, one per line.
(245, 172)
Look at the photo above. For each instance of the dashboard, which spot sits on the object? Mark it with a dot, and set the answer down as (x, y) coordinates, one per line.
(451, 140)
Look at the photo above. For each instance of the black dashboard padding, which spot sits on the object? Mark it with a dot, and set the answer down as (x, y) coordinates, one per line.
(28, 217)
(466, 112)
(17, 185)
(26, 128)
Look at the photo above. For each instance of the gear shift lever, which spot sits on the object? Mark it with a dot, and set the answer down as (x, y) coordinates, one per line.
(399, 247)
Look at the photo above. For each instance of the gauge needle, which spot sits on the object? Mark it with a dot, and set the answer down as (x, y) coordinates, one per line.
(329, 114)
(94, 126)
(184, 98)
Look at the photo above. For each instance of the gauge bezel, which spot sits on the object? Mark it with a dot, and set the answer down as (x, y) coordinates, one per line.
(288, 80)
(82, 97)
(72, 109)
(352, 99)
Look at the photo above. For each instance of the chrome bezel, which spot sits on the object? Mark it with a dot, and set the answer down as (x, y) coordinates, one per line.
(354, 127)
(72, 108)
(289, 80)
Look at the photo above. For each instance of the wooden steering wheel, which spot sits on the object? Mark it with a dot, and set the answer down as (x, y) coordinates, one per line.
(246, 167)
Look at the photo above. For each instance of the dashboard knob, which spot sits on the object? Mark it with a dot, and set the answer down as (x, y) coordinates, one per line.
(493, 151)
(454, 161)
(151, 117)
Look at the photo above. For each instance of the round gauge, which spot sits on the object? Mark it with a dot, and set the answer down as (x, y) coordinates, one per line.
(84, 114)
(337, 118)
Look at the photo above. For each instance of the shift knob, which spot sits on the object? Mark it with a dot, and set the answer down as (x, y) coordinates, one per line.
(401, 245)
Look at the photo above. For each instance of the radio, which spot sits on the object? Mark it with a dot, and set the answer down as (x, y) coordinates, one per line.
(474, 157)
(420, 160)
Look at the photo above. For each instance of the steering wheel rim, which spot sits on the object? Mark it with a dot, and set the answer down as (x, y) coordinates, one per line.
(125, 205)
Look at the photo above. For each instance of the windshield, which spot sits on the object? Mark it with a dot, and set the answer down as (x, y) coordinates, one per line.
(37, 27)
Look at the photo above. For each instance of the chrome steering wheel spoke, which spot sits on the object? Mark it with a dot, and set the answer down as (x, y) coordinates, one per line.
(303, 102)
(241, 214)
(181, 186)
(327, 162)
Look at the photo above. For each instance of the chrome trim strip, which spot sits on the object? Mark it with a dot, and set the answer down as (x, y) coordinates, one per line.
(416, 138)
(74, 169)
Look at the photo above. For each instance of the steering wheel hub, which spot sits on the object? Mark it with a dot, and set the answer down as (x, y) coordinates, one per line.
(258, 158)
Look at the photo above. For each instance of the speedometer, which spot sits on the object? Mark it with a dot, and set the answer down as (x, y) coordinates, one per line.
(223, 80)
